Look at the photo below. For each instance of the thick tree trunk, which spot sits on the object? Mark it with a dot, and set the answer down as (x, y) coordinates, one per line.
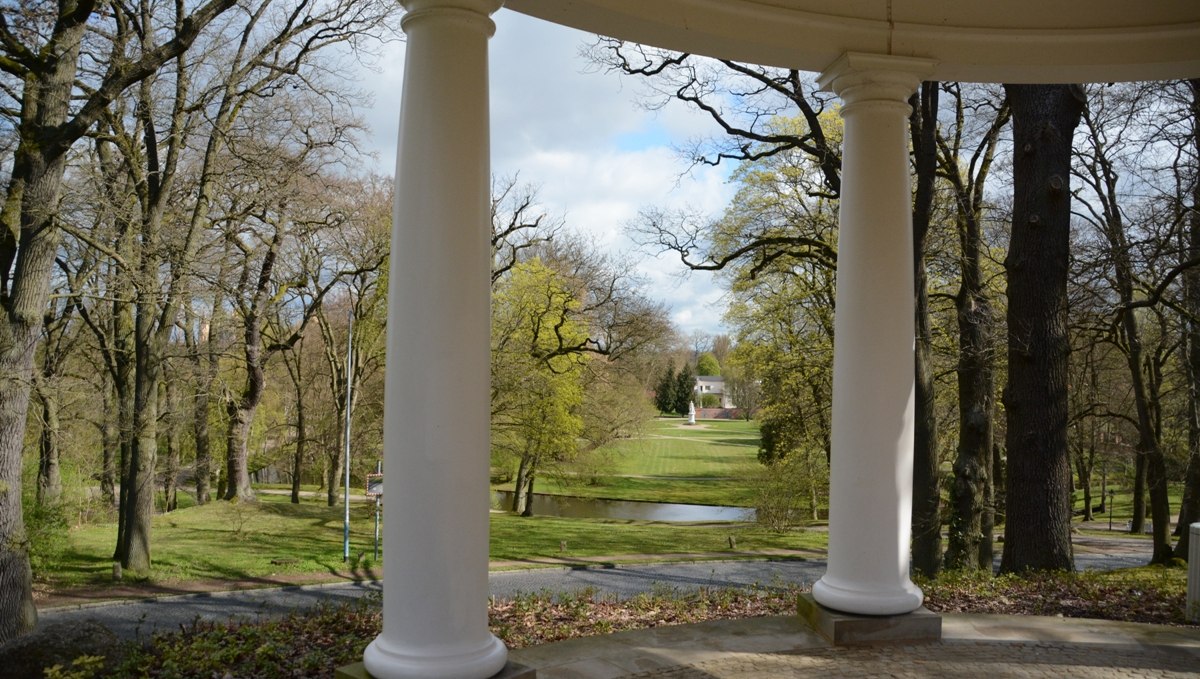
(17, 612)
(237, 457)
(45, 105)
(143, 460)
(926, 509)
(1038, 529)
(241, 413)
(972, 465)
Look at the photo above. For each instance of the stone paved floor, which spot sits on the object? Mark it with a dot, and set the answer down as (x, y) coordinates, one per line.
(975, 646)
(949, 659)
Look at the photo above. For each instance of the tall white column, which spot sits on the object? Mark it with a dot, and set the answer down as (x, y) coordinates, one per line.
(873, 384)
(437, 393)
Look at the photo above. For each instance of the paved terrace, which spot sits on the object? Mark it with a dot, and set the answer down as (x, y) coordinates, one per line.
(972, 646)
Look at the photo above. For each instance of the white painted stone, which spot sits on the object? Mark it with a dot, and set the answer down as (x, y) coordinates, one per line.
(873, 382)
(436, 425)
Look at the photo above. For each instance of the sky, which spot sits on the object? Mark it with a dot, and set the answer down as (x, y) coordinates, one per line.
(595, 155)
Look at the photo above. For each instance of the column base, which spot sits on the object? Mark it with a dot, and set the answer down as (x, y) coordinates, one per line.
(905, 599)
(383, 660)
(511, 670)
(845, 629)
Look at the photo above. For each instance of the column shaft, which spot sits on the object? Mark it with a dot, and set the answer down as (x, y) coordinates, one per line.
(436, 431)
(873, 383)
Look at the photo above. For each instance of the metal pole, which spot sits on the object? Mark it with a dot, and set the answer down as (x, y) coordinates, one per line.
(378, 470)
(349, 381)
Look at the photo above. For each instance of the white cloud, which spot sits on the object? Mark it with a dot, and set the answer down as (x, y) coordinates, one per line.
(581, 137)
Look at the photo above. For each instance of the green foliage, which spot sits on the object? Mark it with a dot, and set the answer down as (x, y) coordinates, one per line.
(793, 490)
(782, 298)
(537, 391)
(685, 384)
(49, 536)
(664, 393)
(83, 667)
(707, 365)
(710, 401)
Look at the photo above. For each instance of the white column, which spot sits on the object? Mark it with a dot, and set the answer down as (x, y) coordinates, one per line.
(436, 428)
(873, 384)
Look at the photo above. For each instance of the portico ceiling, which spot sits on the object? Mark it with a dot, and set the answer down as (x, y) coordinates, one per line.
(1014, 41)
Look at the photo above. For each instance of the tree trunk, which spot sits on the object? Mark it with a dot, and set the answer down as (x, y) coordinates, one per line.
(301, 446)
(45, 106)
(528, 510)
(999, 481)
(203, 446)
(1083, 467)
(987, 521)
(1137, 523)
(124, 375)
(109, 450)
(237, 453)
(171, 477)
(17, 612)
(333, 479)
(975, 393)
(143, 460)
(1038, 533)
(926, 509)
(49, 479)
(519, 485)
(1189, 508)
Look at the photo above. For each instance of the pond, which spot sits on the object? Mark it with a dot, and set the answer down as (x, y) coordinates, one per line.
(593, 508)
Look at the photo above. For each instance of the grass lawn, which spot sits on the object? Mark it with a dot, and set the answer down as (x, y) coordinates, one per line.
(670, 447)
(232, 541)
(1122, 507)
(517, 538)
(708, 463)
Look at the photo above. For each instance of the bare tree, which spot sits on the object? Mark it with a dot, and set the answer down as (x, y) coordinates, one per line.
(41, 49)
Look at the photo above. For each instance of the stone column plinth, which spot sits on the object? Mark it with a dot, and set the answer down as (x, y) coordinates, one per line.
(436, 425)
(873, 383)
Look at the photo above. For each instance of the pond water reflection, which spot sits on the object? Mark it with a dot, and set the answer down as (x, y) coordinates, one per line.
(592, 508)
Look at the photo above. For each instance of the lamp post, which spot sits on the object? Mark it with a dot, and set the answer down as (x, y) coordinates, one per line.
(349, 382)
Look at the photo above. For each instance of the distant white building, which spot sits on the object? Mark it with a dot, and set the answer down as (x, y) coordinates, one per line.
(714, 385)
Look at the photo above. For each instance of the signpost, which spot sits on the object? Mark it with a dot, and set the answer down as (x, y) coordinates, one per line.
(349, 403)
(375, 490)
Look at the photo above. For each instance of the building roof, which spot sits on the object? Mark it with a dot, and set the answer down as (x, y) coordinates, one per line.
(1013, 41)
